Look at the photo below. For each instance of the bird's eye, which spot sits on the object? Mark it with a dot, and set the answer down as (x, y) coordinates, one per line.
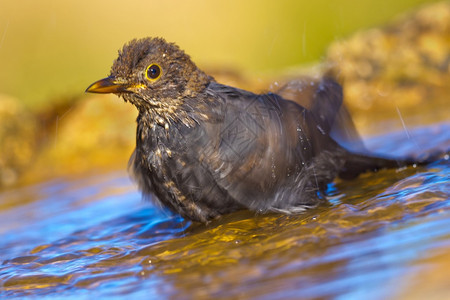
(153, 72)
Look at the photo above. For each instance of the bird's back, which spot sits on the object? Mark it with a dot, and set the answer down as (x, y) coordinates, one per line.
(261, 151)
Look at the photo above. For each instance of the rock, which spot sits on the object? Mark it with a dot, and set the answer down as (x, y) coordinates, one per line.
(97, 132)
(17, 140)
(405, 64)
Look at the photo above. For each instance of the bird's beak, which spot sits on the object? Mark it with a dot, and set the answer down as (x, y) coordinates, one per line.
(108, 85)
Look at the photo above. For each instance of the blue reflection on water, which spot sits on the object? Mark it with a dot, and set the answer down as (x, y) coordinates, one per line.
(62, 209)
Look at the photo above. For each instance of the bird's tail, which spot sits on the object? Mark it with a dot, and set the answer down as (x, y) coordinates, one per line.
(356, 164)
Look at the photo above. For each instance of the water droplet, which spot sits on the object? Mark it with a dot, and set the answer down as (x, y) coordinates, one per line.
(321, 130)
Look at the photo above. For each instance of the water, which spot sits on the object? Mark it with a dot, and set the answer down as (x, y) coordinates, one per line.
(92, 237)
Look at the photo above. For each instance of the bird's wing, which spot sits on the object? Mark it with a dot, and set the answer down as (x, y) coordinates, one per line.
(260, 142)
(324, 99)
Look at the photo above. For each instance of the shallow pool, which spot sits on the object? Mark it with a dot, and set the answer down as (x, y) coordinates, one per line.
(93, 237)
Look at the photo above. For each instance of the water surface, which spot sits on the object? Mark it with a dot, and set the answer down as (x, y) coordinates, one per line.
(93, 236)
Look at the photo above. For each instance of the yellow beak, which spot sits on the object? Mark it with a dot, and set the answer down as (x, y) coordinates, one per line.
(108, 85)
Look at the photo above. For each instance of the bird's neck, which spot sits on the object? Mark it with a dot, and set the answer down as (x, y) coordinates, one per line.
(165, 113)
(184, 108)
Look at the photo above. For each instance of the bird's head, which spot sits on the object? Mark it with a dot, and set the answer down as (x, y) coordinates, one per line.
(152, 74)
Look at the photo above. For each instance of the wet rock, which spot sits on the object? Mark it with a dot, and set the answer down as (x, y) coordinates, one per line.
(17, 139)
(92, 133)
(405, 64)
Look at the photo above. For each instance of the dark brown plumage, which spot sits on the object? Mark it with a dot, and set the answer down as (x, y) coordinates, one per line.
(205, 149)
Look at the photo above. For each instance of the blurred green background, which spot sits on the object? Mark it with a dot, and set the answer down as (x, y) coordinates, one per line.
(52, 49)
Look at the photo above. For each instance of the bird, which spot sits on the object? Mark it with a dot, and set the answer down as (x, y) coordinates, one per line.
(205, 149)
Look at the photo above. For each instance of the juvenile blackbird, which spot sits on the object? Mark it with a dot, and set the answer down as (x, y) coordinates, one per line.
(205, 149)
